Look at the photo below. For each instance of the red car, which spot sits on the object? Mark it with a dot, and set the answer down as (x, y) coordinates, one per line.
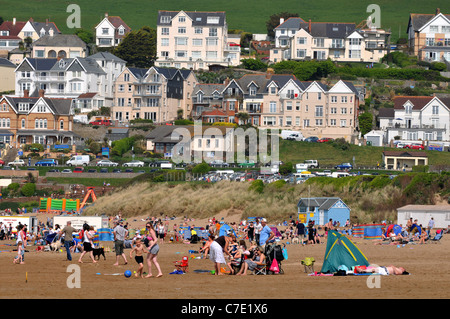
(415, 146)
(324, 139)
(2, 162)
(78, 170)
(101, 122)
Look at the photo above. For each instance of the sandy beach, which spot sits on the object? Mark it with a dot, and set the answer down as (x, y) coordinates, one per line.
(45, 275)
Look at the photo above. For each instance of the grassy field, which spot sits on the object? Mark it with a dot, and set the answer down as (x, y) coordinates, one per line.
(248, 15)
(327, 155)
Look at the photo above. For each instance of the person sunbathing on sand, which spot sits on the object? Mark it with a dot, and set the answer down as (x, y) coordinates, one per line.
(388, 270)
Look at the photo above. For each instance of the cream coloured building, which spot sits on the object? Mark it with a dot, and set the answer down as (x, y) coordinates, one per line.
(156, 94)
(296, 39)
(195, 40)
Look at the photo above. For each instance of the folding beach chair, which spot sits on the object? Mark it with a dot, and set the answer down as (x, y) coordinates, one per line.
(308, 262)
(182, 264)
(260, 270)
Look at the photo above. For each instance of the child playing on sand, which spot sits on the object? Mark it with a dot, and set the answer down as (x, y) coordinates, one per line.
(139, 249)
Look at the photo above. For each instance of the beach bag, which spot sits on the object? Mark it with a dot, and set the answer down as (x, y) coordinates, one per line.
(274, 267)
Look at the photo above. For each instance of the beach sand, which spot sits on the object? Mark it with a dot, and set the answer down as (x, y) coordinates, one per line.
(47, 274)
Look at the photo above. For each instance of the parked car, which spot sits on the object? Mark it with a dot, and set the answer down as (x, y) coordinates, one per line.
(7, 168)
(117, 170)
(218, 163)
(54, 170)
(134, 164)
(295, 137)
(78, 170)
(324, 139)
(344, 166)
(247, 164)
(17, 162)
(101, 122)
(66, 170)
(46, 162)
(104, 170)
(107, 163)
(311, 139)
(415, 146)
(92, 170)
(312, 163)
(2, 162)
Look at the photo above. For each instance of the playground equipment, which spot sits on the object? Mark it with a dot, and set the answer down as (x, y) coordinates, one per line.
(90, 193)
(58, 205)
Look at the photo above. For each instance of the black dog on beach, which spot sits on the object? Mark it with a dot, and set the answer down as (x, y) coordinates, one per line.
(99, 252)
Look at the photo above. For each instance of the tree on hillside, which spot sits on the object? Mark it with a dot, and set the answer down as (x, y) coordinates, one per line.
(85, 35)
(253, 64)
(138, 48)
(274, 21)
(365, 122)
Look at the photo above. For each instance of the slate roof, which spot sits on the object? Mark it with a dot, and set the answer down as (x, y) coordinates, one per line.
(323, 203)
(386, 113)
(106, 56)
(6, 63)
(199, 18)
(418, 20)
(58, 106)
(60, 40)
(405, 154)
(320, 29)
(47, 26)
(208, 89)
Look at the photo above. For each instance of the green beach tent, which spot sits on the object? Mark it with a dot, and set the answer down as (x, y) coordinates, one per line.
(341, 251)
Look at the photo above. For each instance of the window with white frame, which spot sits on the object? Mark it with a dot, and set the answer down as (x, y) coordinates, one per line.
(211, 55)
(435, 109)
(343, 99)
(197, 42)
(165, 19)
(319, 122)
(301, 40)
(343, 123)
(333, 99)
(288, 120)
(213, 32)
(332, 122)
(212, 41)
(181, 19)
(354, 54)
(212, 20)
(319, 111)
(164, 42)
(198, 30)
(165, 31)
(273, 107)
(434, 28)
(301, 53)
(305, 123)
(181, 41)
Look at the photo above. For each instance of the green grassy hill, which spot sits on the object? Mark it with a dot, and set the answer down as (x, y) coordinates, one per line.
(328, 155)
(248, 15)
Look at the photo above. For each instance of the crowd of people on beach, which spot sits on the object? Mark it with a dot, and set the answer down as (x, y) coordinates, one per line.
(241, 248)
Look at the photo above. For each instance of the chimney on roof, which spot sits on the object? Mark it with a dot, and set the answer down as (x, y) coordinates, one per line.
(438, 11)
(51, 32)
(227, 81)
(309, 25)
(14, 21)
(269, 73)
(41, 93)
(281, 21)
(106, 14)
(46, 21)
(26, 93)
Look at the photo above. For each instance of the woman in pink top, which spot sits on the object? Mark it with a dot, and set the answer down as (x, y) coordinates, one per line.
(152, 252)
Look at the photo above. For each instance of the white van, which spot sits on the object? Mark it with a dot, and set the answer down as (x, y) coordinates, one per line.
(79, 160)
(339, 174)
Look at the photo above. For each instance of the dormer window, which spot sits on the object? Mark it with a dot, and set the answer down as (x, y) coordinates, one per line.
(165, 19)
(62, 64)
(408, 109)
(24, 107)
(200, 97)
(252, 90)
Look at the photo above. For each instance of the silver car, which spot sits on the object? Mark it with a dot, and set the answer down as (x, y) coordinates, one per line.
(134, 164)
(106, 163)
